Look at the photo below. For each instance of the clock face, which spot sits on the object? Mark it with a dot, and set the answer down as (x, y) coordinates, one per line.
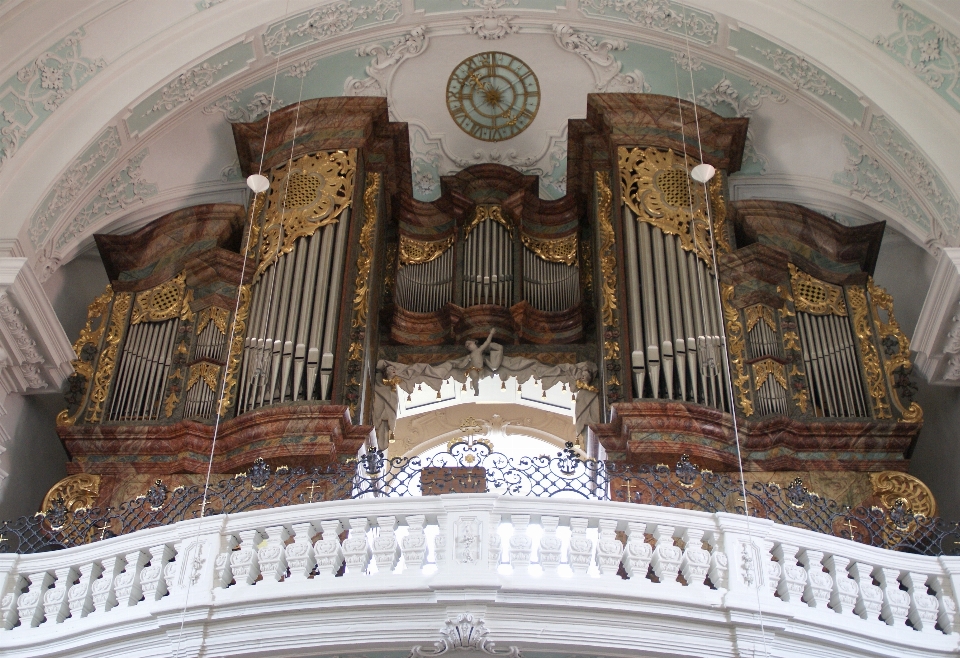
(493, 96)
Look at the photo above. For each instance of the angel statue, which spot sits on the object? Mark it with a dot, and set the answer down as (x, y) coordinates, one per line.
(478, 358)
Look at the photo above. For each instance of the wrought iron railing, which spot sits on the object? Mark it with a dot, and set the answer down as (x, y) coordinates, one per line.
(566, 474)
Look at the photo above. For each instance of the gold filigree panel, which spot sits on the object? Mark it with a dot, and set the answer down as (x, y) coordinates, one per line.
(78, 492)
(161, 302)
(868, 352)
(758, 312)
(881, 300)
(811, 295)
(108, 357)
(483, 212)
(310, 192)
(561, 250)
(416, 252)
(737, 350)
(891, 486)
(767, 368)
(655, 185)
(208, 373)
(218, 316)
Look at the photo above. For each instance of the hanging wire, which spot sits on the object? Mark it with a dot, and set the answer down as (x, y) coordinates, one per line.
(723, 326)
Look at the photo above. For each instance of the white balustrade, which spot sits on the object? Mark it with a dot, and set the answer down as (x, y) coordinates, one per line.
(614, 558)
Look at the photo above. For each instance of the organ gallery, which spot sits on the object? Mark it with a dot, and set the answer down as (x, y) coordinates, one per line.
(294, 325)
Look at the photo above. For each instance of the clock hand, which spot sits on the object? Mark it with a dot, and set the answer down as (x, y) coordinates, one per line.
(477, 82)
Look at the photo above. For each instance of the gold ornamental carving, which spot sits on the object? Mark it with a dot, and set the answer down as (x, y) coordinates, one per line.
(305, 195)
(161, 302)
(607, 251)
(890, 486)
(236, 350)
(365, 261)
(108, 357)
(483, 212)
(718, 208)
(88, 336)
(737, 349)
(417, 252)
(256, 221)
(561, 250)
(218, 316)
(758, 312)
(78, 492)
(868, 352)
(655, 185)
(208, 373)
(881, 300)
(811, 295)
(767, 368)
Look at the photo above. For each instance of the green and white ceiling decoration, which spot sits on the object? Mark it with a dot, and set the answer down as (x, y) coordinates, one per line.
(99, 133)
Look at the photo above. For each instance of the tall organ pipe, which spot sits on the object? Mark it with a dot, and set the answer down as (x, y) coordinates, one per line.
(633, 297)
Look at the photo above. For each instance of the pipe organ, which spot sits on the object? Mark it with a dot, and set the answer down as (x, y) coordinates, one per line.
(488, 259)
(289, 347)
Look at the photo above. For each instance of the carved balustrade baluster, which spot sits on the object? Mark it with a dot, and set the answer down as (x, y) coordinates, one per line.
(386, 550)
(8, 601)
(30, 603)
(104, 594)
(126, 585)
(845, 589)
(793, 577)
(327, 550)
(152, 583)
(271, 556)
(696, 561)
(55, 607)
(550, 544)
(819, 587)
(666, 556)
(948, 618)
(719, 563)
(609, 548)
(869, 596)
(637, 553)
(299, 555)
(924, 607)
(580, 549)
(896, 602)
(356, 548)
(521, 544)
(243, 562)
(495, 543)
(772, 571)
(222, 573)
(440, 541)
(414, 544)
(80, 596)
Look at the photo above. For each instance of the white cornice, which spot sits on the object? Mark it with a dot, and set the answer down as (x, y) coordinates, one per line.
(937, 338)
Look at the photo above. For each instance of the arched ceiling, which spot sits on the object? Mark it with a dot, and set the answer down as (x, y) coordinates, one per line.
(113, 112)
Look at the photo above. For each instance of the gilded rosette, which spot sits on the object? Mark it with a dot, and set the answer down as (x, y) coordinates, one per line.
(811, 295)
(559, 250)
(161, 302)
(416, 252)
(891, 335)
(868, 351)
(655, 185)
(310, 192)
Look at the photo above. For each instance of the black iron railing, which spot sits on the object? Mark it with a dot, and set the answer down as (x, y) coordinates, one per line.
(565, 474)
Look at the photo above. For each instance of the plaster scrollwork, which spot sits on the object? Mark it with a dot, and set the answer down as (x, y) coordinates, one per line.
(490, 24)
(927, 49)
(231, 172)
(73, 182)
(605, 67)
(425, 159)
(234, 111)
(726, 93)
(800, 73)
(952, 344)
(663, 15)
(187, 86)
(326, 21)
(26, 345)
(40, 88)
(464, 632)
(301, 70)
(687, 62)
(952, 371)
(46, 262)
(124, 189)
(385, 62)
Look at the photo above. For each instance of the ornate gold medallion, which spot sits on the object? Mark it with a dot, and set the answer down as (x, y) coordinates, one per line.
(493, 96)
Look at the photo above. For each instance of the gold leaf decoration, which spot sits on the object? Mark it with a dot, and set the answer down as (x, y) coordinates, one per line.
(758, 312)
(763, 370)
(365, 261)
(811, 295)
(608, 258)
(561, 250)
(891, 328)
(737, 350)
(206, 372)
(108, 357)
(78, 492)
(88, 336)
(161, 302)
(415, 252)
(218, 316)
(485, 211)
(655, 185)
(890, 486)
(868, 352)
(306, 194)
(236, 350)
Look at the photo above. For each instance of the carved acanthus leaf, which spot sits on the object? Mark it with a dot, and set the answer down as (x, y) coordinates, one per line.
(464, 633)
(385, 62)
(491, 24)
(604, 66)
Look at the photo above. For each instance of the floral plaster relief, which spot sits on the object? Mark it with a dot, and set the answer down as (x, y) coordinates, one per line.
(329, 20)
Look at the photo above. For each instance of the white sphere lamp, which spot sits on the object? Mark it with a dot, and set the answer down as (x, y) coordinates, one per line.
(258, 183)
(702, 173)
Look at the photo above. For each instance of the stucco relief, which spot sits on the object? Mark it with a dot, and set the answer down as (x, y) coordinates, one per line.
(187, 86)
(326, 21)
(385, 62)
(604, 66)
(490, 23)
(661, 15)
(233, 110)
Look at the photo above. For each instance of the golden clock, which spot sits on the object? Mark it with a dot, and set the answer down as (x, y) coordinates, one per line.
(493, 96)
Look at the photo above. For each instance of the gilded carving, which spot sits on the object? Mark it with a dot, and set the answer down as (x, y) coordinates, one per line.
(655, 185)
(218, 316)
(483, 212)
(791, 341)
(868, 352)
(758, 312)
(737, 350)
(88, 336)
(718, 208)
(890, 329)
(365, 261)
(78, 492)
(811, 295)
(208, 373)
(108, 357)
(890, 486)
(561, 250)
(171, 403)
(161, 302)
(416, 252)
(312, 193)
(236, 350)
(608, 259)
(763, 370)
